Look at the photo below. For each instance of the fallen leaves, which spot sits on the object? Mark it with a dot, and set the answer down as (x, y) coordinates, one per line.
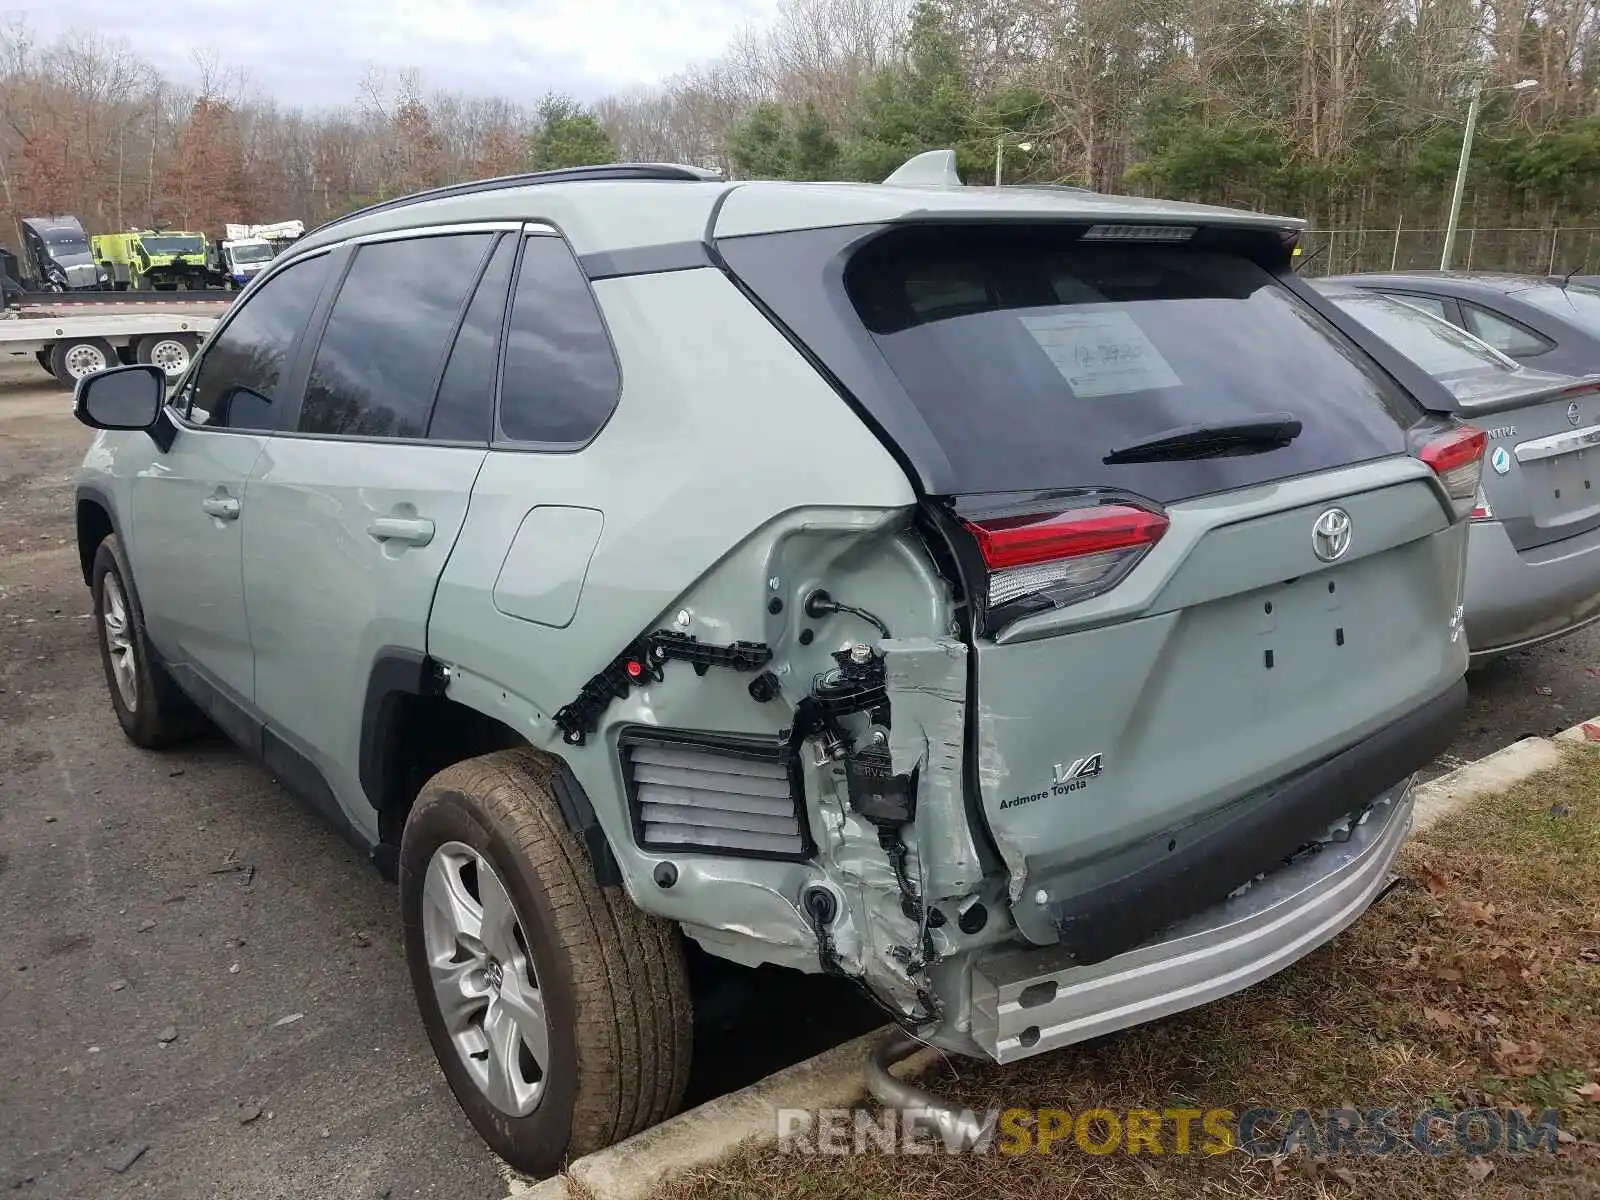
(1445, 1019)
(1518, 1058)
(1436, 883)
(1590, 1091)
(1480, 1168)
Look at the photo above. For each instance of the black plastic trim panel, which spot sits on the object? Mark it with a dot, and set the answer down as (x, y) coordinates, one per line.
(396, 674)
(645, 260)
(1254, 836)
(578, 813)
(237, 718)
(90, 494)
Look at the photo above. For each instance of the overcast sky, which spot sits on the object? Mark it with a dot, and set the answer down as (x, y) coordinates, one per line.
(312, 53)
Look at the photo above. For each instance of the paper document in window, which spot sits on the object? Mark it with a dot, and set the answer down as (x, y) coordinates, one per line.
(1101, 353)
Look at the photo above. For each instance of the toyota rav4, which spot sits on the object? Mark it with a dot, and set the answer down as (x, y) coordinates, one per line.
(1032, 605)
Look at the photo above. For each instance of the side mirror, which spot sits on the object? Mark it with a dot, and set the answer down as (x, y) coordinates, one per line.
(121, 398)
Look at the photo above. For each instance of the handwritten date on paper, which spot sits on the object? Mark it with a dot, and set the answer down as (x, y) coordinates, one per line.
(1101, 353)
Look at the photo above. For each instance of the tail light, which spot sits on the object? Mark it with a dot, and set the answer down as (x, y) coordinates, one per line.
(1053, 559)
(1457, 459)
(1482, 510)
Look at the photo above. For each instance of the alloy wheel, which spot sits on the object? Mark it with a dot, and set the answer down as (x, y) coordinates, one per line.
(119, 640)
(484, 978)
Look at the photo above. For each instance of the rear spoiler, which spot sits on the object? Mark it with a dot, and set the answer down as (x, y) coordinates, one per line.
(1586, 385)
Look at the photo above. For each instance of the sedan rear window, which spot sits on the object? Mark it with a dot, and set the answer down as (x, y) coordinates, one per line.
(1438, 347)
(1032, 357)
(1574, 302)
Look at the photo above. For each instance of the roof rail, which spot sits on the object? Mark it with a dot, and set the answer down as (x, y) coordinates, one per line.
(659, 171)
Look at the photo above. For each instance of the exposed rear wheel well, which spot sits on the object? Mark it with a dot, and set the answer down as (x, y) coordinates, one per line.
(94, 526)
(419, 736)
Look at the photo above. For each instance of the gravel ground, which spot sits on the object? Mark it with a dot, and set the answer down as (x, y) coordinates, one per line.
(184, 897)
(197, 966)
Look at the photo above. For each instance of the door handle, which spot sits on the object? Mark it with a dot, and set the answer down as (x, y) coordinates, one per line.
(224, 508)
(412, 531)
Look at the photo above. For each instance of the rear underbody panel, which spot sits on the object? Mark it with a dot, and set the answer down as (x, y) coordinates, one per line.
(1029, 1001)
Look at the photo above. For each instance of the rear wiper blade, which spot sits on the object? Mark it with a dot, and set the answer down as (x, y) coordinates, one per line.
(1216, 439)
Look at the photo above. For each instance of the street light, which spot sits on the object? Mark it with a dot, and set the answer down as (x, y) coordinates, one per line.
(1466, 152)
(1000, 154)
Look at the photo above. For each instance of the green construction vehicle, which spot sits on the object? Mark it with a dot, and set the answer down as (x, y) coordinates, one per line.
(158, 259)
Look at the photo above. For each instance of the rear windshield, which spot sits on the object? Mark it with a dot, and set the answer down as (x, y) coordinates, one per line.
(1435, 345)
(1031, 356)
(1575, 302)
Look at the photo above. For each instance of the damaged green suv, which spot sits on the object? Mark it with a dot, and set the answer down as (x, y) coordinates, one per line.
(1030, 604)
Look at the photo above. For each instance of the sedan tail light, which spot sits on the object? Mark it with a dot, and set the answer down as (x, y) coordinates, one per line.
(1457, 459)
(1482, 510)
(1058, 558)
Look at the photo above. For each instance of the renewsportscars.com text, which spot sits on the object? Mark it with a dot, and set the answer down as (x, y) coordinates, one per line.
(1262, 1132)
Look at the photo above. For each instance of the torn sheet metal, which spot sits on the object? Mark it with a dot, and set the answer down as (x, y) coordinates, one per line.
(927, 687)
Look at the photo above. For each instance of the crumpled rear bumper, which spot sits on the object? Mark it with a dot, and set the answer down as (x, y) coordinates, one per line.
(1026, 1001)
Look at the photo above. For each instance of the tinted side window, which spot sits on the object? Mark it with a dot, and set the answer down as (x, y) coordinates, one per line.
(236, 382)
(560, 381)
(380, 356)
(464, 409)
(1504, 335)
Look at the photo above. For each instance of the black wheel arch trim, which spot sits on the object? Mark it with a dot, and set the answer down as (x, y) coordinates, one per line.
(89, 493)
(396, 674)
(399, 673)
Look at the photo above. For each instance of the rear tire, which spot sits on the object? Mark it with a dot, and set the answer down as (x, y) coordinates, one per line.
(73, 358)
(611, 981)
(172, 352)
(44, 361)
(149, 707)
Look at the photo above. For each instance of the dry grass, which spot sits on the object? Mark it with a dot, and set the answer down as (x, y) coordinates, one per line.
(1475, 986)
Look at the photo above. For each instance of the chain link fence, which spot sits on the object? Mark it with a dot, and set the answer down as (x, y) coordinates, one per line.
(1537, 250)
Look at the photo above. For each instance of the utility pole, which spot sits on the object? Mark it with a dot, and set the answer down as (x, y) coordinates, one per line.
(1461, 168)
(1000, 155)
(1461, 178)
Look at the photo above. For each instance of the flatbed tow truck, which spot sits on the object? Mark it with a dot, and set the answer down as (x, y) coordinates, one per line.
(70, 347)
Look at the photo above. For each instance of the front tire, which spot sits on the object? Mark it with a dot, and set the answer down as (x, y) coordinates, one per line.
(560, 1013)
(149, 707)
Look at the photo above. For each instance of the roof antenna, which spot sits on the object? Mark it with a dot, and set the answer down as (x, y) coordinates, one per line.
(935, 168)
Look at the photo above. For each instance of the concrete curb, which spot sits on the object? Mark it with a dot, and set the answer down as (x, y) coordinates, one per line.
(1440, 797)
(631, 1169)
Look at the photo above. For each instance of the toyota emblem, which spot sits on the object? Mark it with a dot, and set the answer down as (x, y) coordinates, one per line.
(1573, 415)
(1330, 536)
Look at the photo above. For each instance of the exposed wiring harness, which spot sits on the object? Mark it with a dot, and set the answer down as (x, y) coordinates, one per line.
(820, 604)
